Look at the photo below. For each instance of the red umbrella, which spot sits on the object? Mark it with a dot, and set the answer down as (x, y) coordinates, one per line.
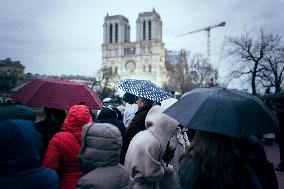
(56, 93)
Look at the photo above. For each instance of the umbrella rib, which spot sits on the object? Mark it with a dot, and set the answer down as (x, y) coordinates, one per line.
(94, 95)
(41, 86)
(30, 99)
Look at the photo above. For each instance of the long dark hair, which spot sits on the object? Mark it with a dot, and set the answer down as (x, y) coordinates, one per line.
(218, 165)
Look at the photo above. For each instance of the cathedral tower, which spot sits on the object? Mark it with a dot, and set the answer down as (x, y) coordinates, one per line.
(142, 59)
(149, 27)
(116, 29)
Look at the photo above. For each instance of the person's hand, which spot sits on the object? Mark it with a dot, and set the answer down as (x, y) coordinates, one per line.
(169, 153)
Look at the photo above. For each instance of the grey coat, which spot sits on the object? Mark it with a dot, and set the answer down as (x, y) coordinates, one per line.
(144, 155)
(99, 158)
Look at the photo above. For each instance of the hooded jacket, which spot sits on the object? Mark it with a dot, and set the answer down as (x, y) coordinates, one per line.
(99, 158)
(23, 113)
(63, 149)
(20, 165)
(143, 160)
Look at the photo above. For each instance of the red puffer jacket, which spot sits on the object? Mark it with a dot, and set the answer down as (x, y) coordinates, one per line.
(63, 150)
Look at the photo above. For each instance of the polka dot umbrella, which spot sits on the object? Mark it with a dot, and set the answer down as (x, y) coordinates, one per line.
(143, 88)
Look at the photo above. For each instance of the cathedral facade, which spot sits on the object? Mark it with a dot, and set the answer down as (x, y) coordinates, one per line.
(142, 59)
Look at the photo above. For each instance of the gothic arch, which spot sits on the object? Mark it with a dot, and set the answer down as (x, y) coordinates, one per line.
(116, 33)
(149, 30)
(110, 33)
(144, 30)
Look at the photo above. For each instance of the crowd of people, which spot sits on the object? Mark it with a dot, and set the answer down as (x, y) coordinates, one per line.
(134, 146)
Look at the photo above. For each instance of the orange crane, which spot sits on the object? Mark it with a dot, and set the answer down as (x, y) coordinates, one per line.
(208, 29)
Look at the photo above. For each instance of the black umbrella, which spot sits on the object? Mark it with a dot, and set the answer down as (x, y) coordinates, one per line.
(143, 88)
(224, 111)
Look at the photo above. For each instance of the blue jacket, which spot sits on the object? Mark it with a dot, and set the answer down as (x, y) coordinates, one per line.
(20, 165)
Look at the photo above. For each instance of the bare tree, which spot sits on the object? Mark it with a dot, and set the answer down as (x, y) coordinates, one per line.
(104, 82)
(250, 57)
(94, 82)
(182, 71)
(202, 73)
(189, 72)
(178, 69)
(272, 70)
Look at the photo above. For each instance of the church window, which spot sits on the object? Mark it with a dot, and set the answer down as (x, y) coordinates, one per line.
(116, 33)
(144, 68)
(150, 68)
(110, 33)
(143, 50)
(144, 30)
(150, 37)
(116, 69)
(129, 51)
(125, 33)
(110, 70)
(149, 50)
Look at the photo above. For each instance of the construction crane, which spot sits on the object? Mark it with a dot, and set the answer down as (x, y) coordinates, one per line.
(208, 29)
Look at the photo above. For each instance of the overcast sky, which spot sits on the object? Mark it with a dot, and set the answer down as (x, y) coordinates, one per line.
(64, 36)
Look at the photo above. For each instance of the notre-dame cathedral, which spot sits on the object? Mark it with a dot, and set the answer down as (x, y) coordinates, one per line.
(142, 59)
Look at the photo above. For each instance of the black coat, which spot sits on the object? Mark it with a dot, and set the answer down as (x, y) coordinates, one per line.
(47, 129)
(137, 124)
(253, 152)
